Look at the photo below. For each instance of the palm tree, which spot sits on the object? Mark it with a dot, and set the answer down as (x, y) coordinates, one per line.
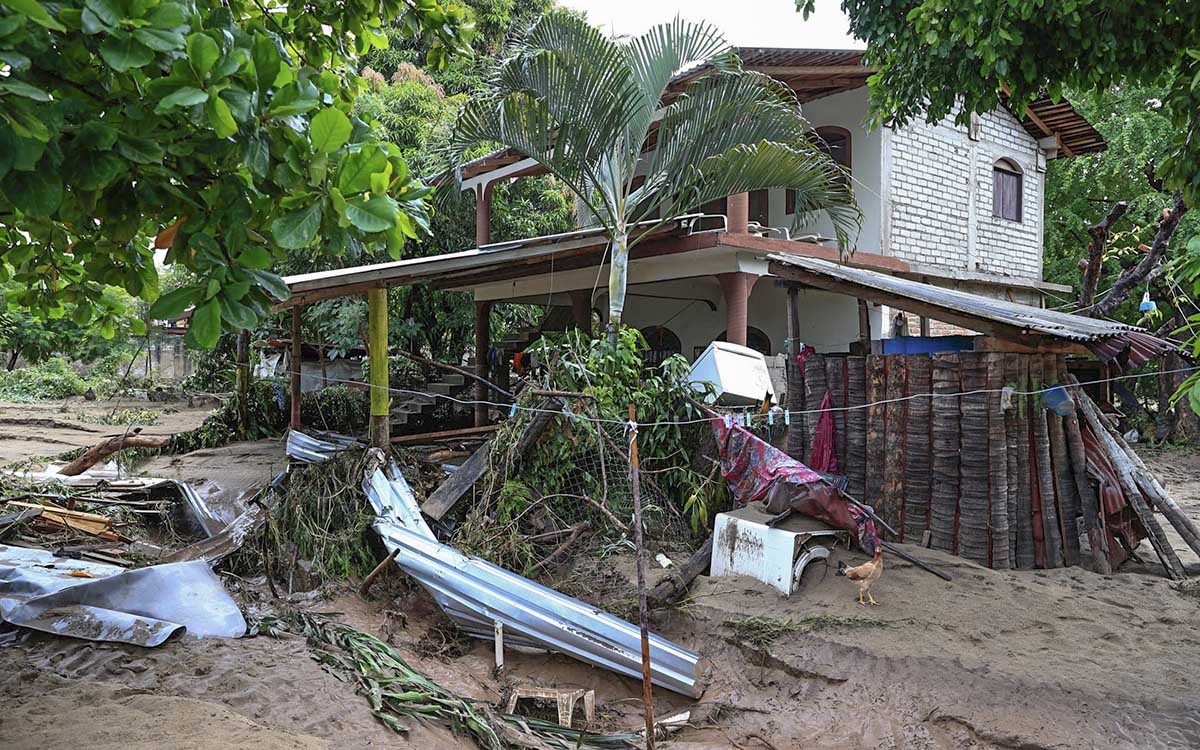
(585, 107)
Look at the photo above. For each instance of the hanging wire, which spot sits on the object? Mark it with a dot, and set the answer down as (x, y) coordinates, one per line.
(512, 407)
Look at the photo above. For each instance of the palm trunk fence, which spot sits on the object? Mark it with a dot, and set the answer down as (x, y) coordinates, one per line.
(952, 461)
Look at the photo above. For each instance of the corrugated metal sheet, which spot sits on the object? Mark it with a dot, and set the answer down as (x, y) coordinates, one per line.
(1116, 343)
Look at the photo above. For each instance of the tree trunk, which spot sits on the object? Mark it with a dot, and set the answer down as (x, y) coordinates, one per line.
(617, 277)
(1096, 248)
(1132, 278)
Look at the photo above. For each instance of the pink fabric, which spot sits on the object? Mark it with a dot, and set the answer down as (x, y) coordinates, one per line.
(824, 458)
(751, 465)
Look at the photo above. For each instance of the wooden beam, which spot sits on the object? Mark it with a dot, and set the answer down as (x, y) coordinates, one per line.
(864, 326)
(483, 342)
(444, 434)
(813, 70)
(859, 258)
(377, 335)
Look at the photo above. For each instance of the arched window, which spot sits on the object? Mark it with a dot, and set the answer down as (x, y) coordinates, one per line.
(834, 141)
(755, 339)
(1006, 190)
(663, 343)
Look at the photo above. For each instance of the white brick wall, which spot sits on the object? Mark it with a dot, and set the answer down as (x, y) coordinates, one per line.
(939, 194)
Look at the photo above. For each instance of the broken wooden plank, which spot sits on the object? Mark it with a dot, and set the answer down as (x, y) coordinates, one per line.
(430, 437)
(59, 518)
(1027, 549)
(1012, 371)
(1046, 498)
(1133, 494)
(464, 477)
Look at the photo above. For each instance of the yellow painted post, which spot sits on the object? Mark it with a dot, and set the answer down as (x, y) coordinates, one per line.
(377, 334)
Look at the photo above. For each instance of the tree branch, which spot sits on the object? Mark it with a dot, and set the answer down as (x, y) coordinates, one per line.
(1133, 277)
(1096, 247)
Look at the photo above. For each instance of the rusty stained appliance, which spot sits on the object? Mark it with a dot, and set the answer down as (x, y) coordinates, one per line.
(749, 542)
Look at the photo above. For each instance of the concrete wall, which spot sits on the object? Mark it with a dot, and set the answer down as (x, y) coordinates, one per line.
(938, 182)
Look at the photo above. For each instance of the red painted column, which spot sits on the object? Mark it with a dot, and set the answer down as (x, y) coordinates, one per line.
(737, 209)
(581, 309)
(483, 215)
(736, 288)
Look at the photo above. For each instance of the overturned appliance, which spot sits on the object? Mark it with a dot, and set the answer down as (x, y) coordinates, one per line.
(484, 599)
(737, 375)
(751, 542)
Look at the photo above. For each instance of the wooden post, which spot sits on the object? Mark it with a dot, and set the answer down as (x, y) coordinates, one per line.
(643, 615)
(483, 342)
(796, 432)
(891, 505)
(242, 373)
(943, 501)
(864, 327)
(295, 367)
(997, 464)
(581, 310)
(377, 335)
(1088, 501)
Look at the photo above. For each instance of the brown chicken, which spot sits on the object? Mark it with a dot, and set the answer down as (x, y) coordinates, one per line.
(864, 575)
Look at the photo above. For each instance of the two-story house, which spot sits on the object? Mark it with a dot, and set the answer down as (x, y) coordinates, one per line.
(947, 204)
(951, 205)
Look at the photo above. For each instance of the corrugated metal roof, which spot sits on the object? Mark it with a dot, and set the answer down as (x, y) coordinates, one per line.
(1024, 317)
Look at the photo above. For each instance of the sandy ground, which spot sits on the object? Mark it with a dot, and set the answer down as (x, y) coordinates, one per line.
(51, 427)
(995, 659)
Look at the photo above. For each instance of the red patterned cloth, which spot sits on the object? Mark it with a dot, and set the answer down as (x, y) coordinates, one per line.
(751, 465)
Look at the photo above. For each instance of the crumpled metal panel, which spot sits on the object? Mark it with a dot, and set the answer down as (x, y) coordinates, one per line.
(101, 602)
(476, 594)
(314, 450)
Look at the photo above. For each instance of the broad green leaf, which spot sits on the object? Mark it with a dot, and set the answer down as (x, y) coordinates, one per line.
(374, 215)
(167, 16)
(25, 124)
(20, 88)
(202, 53)
(161, 40)
(14, 59)
(92, 24)
(140, 150)
(266, 61)
(236, 314)
(205, 325)
(297, 229)
(37, 193)
(357, 168)
(221, 118)
(329, 130)
(258, 156)
(8, 149)
(94, 170)
(105, 10)
(271, 283)
(35, 12)
(96, 135)
(172, 304)
(185, 96)
(124, 53)
(255, 256)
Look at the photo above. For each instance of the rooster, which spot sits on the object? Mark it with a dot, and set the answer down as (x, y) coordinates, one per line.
(864, 575)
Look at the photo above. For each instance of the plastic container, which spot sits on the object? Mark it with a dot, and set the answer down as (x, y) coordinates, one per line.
(737, 373)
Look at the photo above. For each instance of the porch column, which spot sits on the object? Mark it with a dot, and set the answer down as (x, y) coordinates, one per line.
(581, 309)
(737, 209)
(295, 368)
(483, 215)
(735, 288)
(377, 336)
(864, 326)
(483, 342)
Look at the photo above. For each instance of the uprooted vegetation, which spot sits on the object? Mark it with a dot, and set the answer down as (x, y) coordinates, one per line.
(763, 631)
(558, 479)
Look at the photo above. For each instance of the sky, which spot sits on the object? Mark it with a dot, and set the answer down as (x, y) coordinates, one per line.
(746, 23)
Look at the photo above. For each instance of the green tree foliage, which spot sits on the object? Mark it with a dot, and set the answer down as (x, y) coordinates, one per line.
(25, 338)
(583, 105)
(1081, 190)
(222, 131)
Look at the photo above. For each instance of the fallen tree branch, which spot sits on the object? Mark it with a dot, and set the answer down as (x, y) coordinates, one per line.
(106, 448)
(1131, 278)
(678, 580)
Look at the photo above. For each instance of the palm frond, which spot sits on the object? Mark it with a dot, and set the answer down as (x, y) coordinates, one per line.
(820, 185)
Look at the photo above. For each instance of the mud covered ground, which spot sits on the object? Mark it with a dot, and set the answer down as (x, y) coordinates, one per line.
(1046, 659)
